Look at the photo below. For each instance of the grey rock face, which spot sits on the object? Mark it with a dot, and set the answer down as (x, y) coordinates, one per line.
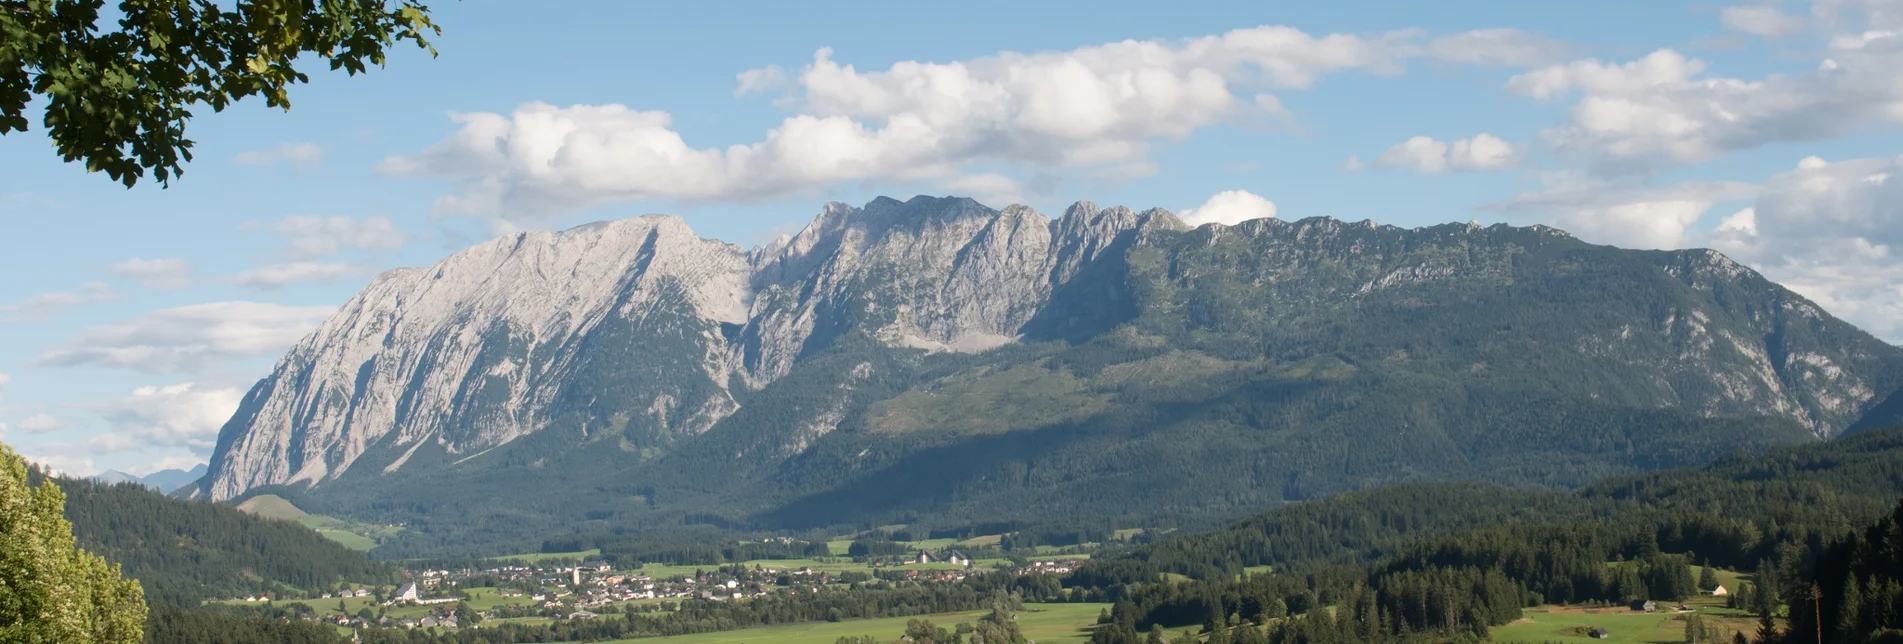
(637, 324)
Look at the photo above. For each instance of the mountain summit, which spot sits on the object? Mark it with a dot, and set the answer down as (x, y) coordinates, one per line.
(940, 354)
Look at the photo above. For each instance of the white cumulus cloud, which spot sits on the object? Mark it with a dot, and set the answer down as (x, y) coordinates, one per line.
(165, 273)
(1428, 155)
(1094, 110)
(759, 81)
(1625, 213)
(189, 337)
(1664, 109)
(62, 462)
(180, 415)
(1830, 232)
(1229, 207)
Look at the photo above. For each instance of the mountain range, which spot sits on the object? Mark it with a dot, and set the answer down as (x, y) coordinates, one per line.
(163, 480)
(937, 361)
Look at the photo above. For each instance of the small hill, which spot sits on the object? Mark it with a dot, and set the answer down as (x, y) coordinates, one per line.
(271, 506)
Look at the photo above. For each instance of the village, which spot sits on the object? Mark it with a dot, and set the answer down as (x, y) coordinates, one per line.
(531, 591)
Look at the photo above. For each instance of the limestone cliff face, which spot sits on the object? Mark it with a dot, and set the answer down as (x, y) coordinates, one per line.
(476, 350)
(637, 325)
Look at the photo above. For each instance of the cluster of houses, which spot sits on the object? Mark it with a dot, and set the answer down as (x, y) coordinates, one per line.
(344, 594)
(426, 621)
(1049, 567)
(593, 588)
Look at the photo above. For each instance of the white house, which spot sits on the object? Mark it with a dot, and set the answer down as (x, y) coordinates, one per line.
(1719, 592)
(407, 593)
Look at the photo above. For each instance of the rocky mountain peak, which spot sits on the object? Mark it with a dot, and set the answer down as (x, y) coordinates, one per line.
(496, 342)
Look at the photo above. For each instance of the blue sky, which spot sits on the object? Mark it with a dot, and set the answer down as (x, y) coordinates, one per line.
(132, 321)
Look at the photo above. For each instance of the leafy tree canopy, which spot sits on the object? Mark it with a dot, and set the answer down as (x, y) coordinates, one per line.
(118, 99)
(50, 590)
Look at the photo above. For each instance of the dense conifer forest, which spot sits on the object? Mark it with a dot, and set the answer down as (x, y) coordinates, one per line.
(184, 552)
(1414, 560)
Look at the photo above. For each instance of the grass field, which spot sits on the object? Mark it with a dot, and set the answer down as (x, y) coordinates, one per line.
(271, 506)
(1562, 624)
(538, 557)
(662, 571)
(331, 530)
(1045, 623)
(1622, 626)
(355, 536)
(351, 605)
(979, 542)
(481, 598)
(931, 544)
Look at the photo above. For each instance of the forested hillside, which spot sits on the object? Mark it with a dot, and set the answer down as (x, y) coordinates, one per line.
(183, 552)
(1860, 584)
(1461, 558)
(1785, 493)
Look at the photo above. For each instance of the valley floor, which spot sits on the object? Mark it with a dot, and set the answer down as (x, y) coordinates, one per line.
(1043, 623)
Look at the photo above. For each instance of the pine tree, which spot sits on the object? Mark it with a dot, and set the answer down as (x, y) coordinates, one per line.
(1707, 578)
(1848, 616)
(1767, 629)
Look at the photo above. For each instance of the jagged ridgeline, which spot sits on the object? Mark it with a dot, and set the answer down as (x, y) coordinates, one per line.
(939, 361)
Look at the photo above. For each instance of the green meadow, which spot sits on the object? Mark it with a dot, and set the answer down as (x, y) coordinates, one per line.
(1572, 624)
(1045, 623)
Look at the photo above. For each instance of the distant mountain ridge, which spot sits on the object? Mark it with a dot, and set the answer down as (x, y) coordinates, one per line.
(936, 358)
(165, 481)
